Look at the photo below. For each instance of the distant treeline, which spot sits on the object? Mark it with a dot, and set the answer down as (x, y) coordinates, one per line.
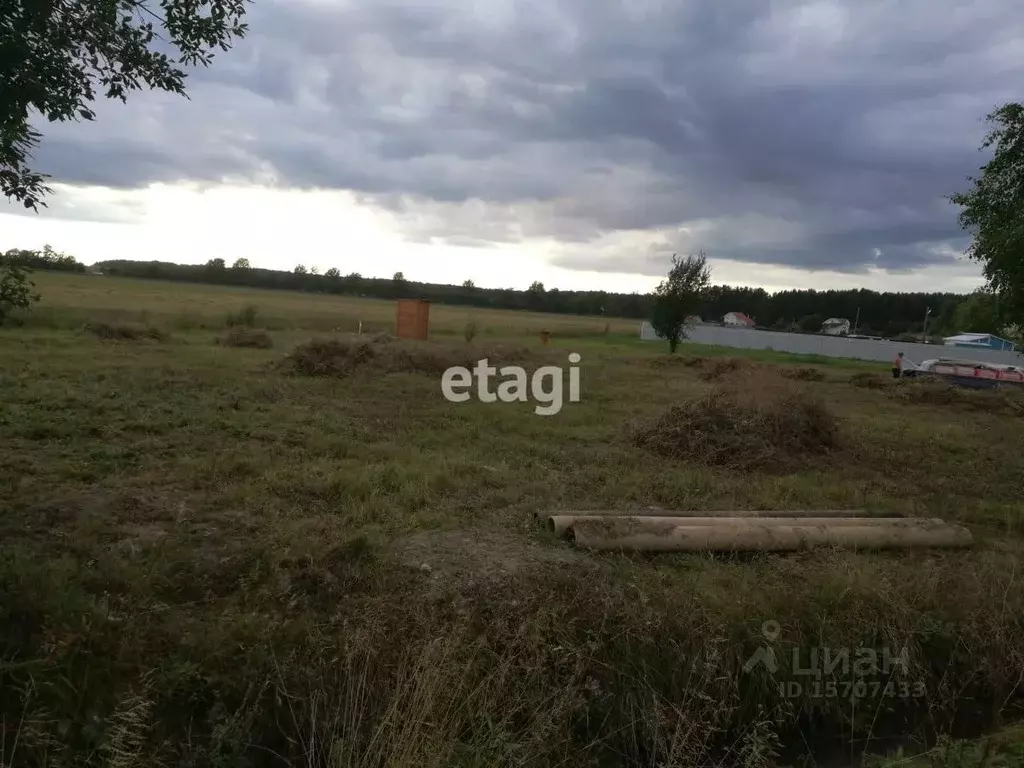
(47, 258)
(888, 314)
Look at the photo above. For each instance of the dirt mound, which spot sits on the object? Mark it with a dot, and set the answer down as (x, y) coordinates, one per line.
(931, 391)
(245, 337)
(125, 332)
(382, 354)
(765, 427)
(870, 380)
(801, 374)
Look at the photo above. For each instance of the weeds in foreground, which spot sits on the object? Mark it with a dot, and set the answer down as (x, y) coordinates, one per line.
(243, 318)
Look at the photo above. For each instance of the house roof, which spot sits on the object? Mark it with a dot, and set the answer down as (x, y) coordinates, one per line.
(741, 317)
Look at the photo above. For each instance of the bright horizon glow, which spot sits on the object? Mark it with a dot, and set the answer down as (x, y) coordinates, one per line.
(277, 229)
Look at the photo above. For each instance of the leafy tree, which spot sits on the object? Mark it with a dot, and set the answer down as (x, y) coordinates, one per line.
(679, 296)
(300, 269)
(468, 285)
(978, 313)
(56, 54)
(314, 270)
(399, 277)
(241, 264)
(216, 264)
(333, 273)
(993, 209)
(15, 288)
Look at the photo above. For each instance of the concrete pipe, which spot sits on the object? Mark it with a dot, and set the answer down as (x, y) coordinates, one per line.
(755, 536)
(560, 524)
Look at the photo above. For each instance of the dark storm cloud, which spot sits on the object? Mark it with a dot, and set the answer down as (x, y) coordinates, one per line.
(816, 135)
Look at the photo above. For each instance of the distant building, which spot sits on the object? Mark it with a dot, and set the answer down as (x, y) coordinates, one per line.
(836, 326)
(978, 341)
(738, 320)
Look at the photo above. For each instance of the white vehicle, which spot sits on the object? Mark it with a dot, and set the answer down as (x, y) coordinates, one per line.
(836, 326)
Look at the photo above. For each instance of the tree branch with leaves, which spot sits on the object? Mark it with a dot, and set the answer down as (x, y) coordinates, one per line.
(993, 211)
(58, 56)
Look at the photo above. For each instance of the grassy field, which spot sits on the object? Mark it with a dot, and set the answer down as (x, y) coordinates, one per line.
(208, 558)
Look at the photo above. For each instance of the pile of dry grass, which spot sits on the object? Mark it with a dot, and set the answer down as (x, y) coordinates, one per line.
(769, 427)
(239, 336)
(671, 361)
(715, 370)
(125, 332)
(932, 391)
(801, 374)
(382, 354)
(870, 380)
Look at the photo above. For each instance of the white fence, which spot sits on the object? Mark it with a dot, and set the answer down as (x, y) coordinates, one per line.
(832, 346)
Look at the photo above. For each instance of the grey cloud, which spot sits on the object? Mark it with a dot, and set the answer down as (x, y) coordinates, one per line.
(805, 134)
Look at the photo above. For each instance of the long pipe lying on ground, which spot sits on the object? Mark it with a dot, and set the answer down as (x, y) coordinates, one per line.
(754, 536)
(719, 513)
(561, 524)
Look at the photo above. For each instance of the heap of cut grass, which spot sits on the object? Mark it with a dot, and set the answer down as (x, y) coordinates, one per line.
(240, 336)
(801, 374)
(381, 354)
(715, 370)
(931, 391)
(870, 380)
(671, 361)
(768, 427)
(125, 332)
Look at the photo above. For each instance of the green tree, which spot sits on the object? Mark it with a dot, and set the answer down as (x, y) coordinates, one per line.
(399, 277)
(993, 209)
(314, 270)
(978, 313)
(468, 284)
(300, 269)
(241, 264)
(679, 296)
(333, 273)
(216, 265)
(58, 56)
(15, 288)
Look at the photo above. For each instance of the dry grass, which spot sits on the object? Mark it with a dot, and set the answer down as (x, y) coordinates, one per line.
(124, 332)
(768, 427)
(383, 354)
(715, 370)
(801, 373)
(672, 361)
(246, 337)
(205, 560)
(871, 380)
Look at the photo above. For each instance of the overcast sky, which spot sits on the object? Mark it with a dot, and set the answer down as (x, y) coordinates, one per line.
(579, 142)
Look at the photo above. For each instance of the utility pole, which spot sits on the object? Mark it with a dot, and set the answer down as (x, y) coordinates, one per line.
(924, 334)
(856, 322)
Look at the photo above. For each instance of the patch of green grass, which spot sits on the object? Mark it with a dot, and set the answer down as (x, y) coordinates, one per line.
(207, 559)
